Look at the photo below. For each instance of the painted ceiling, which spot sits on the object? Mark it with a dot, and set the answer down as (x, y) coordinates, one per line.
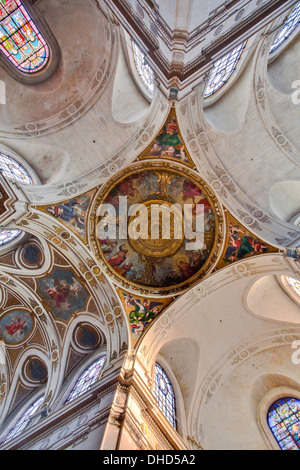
(53, 297)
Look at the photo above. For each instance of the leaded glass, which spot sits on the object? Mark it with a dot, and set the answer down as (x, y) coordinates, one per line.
(145, 72)
(289, 26)
(284, 422)
(7, 236)
(163, 391)
(223, 70)
(13, 170)
(23, 421)
(295, 284)
(20, 40)
(88, 378)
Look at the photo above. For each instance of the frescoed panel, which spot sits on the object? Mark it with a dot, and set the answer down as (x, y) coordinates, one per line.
(241, 243)
(63, 292)
(169, 143)
(141, 311)
(16, 326)
(72, 213)
(169, 262)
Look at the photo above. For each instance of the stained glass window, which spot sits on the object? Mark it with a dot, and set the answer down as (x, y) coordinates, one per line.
(88, 378)
(23, 421)
(20, 39)
(289, 26)
(295, 284)
(223, 70)
(7, 236)
(284, 422)
(13, 170)
(164, 393)
(145, 72)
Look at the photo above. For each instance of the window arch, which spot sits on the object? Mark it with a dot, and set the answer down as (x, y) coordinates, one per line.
(87, 379)
(20, 39)
(290, 25)
(144, 70)
(23, 422)
(223, 70)
(164, 394)
(284, 422)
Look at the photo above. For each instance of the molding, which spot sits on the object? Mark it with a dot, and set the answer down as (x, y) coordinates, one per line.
(150, 29)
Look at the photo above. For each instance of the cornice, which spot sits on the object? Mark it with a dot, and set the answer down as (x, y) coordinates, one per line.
(178, 43)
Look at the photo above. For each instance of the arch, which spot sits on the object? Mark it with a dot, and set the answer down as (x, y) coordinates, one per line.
(268, 299)
(87, 379)
(226, 110)
(25, 42)
(131, 100)
(182, 370)
(164, 394)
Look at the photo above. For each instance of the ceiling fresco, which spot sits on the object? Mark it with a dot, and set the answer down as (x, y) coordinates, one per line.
(169, 144)
(55, 295)
(165, 265)
(69, 273)
(16, 326)
(63, 292)
(73, 213)
(141, 312)
(240, 243)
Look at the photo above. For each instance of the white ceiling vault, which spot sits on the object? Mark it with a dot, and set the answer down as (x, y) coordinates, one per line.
(182, 38)
(226, 336)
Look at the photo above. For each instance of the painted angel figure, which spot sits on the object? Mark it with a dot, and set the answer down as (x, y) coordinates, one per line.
(17, 325)
(144, 311)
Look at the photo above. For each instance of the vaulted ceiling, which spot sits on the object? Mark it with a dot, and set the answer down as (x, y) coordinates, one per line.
(88, 133)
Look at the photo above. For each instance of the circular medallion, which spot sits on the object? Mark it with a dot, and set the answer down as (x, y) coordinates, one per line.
(16, 326)
(156, 228)
(163, 222)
